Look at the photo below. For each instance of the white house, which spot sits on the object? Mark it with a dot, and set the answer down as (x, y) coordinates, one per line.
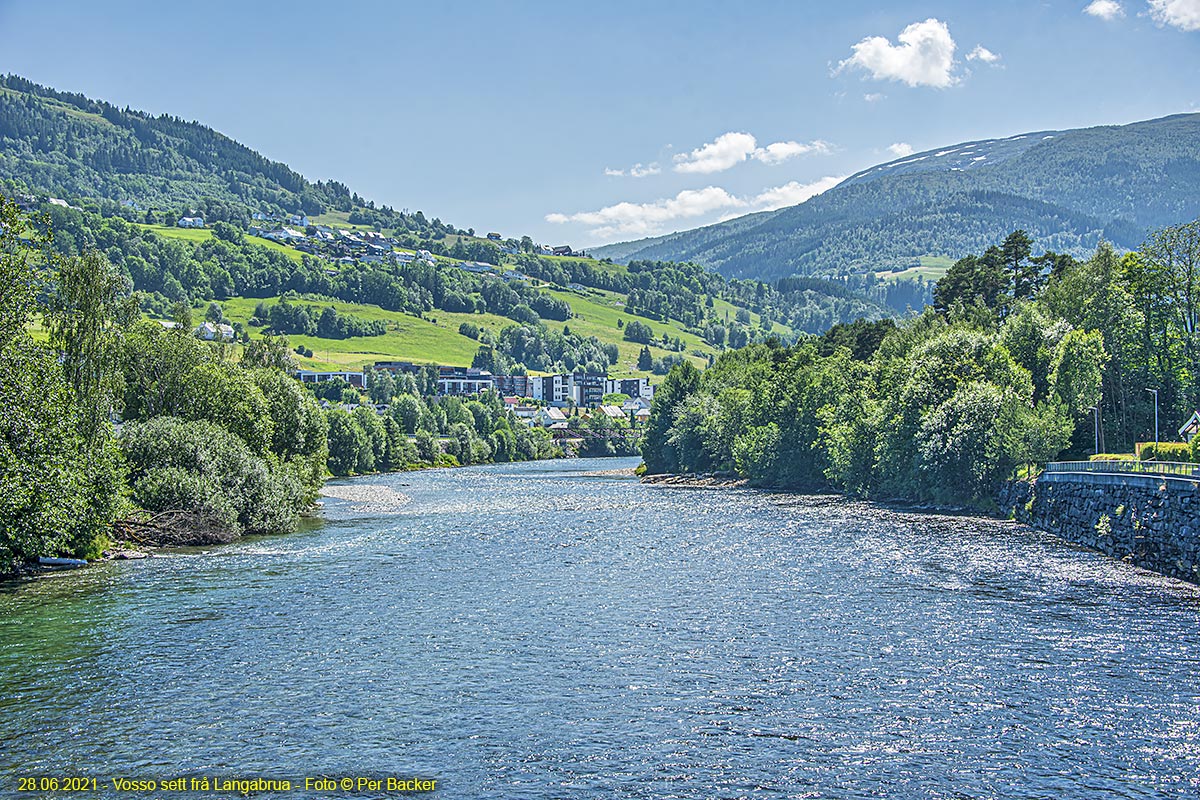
(190, 222)
(298, 219)
(549, 416)
(210, 332)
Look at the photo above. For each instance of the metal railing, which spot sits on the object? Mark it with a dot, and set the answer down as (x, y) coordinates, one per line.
(1176, 468)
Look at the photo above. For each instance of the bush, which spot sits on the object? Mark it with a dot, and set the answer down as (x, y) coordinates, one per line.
(1112, 457)
(203, 472)
(1166, 451)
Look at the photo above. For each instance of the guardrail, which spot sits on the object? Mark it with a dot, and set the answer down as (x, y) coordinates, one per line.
(1176, 468)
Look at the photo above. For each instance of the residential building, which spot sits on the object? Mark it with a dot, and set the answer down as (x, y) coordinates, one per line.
(588, 388)
(612, 412)
(309, 376)
(460, 381)
(495, 237)
(298, 219)
(562, 250)
(513, 385)
(211, 332)
(190, 222)
(634, 387)
(549, 416)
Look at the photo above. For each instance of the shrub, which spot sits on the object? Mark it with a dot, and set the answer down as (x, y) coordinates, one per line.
(1112, 457)
(208, 476)
(1166, 451)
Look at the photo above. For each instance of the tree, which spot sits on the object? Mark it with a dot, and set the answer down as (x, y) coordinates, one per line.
(658, 452)
(1024, 275)
(645, 359)
(348, 443)
(382, 386)
(60, 476)
(637, 331)
(269, 352)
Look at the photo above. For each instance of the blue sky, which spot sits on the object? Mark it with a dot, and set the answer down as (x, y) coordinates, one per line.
(588, 122)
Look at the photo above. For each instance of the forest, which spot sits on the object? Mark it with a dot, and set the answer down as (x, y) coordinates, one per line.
(1020, 361)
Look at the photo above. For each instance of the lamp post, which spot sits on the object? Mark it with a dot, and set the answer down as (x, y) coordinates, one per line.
(1155, 393)
(1096, 426)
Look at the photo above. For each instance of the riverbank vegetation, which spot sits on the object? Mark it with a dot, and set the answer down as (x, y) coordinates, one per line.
(1007, 368)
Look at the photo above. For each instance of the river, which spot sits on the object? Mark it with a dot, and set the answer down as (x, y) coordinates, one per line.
(547, 630)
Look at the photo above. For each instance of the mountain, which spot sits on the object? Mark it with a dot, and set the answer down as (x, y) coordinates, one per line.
(1068, 189)
(75, 147)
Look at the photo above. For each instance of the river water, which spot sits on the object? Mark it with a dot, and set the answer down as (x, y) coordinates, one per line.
(547, 631)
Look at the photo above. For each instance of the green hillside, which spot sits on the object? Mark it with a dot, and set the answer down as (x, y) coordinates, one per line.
(118, 180)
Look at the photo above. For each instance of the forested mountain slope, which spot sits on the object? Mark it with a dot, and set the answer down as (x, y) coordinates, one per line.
(1068, 189)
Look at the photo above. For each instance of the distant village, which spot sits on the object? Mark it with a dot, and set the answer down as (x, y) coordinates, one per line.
(364, 246)
(538, 400)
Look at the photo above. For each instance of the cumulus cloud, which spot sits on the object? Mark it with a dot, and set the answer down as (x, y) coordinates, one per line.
(1182, 14)
(981, 53)
(647, 219)
(792, 193)
(874, 97)
(730, 149)
(900, 149)
(641, 219)
(1104, 9)
(636, 171)
(776, 152)
(923, 57)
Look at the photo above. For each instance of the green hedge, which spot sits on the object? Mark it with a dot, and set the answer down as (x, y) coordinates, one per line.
(1167, 451)
(1113, 457)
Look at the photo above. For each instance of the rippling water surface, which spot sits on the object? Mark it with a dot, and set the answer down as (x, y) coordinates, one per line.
(544, 631)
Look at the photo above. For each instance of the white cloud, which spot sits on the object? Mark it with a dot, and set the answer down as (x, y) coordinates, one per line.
(777, 152)
(1104, 9)
(1182, 14)
(642, 219)
(792, 193)
(923, 57)
(636, 171)
(981, 53)
(647, 219)
(874, 97)
(901, 149)
(730, 149)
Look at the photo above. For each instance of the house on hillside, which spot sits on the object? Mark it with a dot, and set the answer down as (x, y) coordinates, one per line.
(211, 332)
(190, 222)
(612, 412)
(298, 219)
(495, 237)
(562, 250)
(548, 417)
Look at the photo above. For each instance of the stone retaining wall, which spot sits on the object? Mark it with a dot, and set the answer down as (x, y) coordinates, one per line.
(1150, 521)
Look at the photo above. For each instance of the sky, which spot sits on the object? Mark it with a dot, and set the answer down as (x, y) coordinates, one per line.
(584, 123)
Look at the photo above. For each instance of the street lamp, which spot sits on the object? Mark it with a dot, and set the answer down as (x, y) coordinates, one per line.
(1155, 393)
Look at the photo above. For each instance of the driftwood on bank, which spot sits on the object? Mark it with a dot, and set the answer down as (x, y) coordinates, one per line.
(174, 527)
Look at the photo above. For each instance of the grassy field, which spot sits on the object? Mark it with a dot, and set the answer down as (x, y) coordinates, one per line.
(931, 268)
(435, 338)
(197, 235)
